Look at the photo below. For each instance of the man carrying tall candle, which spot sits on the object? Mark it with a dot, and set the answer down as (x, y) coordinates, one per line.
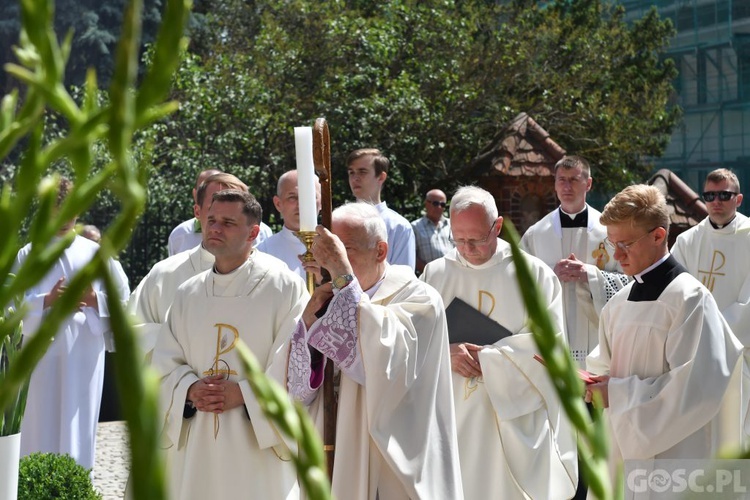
(368, 170)
(285, 244)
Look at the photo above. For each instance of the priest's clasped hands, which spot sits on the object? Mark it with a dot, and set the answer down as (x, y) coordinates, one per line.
(571, 269)
(215, 394)
(89, 298)
(465, 359)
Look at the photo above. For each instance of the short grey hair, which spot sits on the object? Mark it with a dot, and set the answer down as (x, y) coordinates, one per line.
(367, 216)
(468, 196)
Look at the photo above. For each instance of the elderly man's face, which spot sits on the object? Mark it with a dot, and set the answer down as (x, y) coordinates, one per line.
(364, 260)
(475, 237)
(434, 212)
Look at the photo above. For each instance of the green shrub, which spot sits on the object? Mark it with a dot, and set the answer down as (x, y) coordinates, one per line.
(50, 475)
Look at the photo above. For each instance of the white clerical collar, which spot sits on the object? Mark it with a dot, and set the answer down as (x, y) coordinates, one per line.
(722, 226)
(573, 216)
(638, 277)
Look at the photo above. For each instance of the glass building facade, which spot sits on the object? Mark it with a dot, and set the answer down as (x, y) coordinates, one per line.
(712, 52)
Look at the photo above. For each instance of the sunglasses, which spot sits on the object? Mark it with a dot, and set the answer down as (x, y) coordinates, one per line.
(722, 195)
(437, 203)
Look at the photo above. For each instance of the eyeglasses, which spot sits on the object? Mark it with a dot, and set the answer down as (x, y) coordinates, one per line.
(437, 203)
(625, 247)
(475, 243)
(723, 195)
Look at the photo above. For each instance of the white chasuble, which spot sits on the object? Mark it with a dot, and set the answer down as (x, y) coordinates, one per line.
(65, 389)
(514, 439)
(718, 258)
(670, 355)
(239, 453)
(395, 431)
(582, 301)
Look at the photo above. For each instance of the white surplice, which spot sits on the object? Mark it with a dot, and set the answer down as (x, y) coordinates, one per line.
(515, 441)
(670, 355)
(238, 454)
(582, 301)
(65, 390)
(396, 432)
(286, 246)
(151, 299)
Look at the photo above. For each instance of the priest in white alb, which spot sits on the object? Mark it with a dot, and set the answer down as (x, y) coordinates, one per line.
(715, 251)
(386, 332)
(666, 355)
(151, 299)
(570, 240)
(65, 389)
(285, 244)
(515, 441)
(218, 442)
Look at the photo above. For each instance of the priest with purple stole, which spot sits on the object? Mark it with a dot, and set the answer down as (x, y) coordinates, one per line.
(386, 332)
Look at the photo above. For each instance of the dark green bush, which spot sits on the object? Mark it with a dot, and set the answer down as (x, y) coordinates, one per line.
(52, 476)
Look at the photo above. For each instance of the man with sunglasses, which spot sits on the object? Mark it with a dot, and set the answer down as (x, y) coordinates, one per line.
(433, 230)
(715, 251)
(570, 240)
(514, 440)
(666, 355)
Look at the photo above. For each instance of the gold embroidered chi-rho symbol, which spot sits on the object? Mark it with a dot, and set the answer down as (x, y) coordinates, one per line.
(226, 338)
(708, 278)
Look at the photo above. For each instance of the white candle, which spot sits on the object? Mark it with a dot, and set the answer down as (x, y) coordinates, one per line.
(303, 144)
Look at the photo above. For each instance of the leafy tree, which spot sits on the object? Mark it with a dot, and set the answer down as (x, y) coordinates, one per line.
(429, 82)
(598, 85)
(96, 27)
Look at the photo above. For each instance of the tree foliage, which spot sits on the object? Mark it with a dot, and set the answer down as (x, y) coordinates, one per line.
(429, 82)
(96, 28)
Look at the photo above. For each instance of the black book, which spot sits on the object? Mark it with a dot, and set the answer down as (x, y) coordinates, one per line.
(466, 324)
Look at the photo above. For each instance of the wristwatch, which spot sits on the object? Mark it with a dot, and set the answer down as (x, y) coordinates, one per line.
(340, 282)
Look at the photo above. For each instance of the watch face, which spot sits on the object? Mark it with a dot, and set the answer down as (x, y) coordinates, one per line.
(342, 281)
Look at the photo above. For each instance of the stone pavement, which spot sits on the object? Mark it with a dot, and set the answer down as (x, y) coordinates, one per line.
(112, 464)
